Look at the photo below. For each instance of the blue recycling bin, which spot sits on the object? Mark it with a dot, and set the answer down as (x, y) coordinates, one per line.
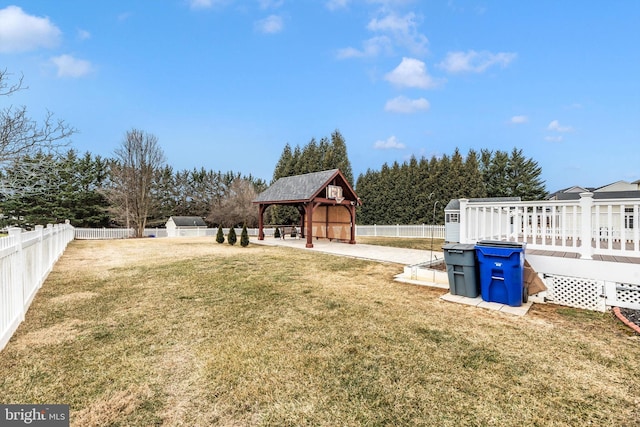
(501, 267)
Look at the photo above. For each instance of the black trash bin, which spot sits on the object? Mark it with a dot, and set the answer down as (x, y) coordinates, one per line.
(501, 267)
(462, 269)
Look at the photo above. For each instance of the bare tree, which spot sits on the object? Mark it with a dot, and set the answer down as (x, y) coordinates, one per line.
(22, 136)
(132, 172)
(236, 207)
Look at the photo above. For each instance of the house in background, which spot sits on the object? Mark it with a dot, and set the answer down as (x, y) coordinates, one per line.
(178, 226)
(624, 227)
(616, 190)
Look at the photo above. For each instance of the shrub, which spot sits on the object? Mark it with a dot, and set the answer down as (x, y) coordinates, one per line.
(231, 237)
(276, 233)
(244, 237)
(220, 235)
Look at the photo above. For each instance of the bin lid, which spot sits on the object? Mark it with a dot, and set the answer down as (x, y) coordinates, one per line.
(459, 247)
(501, 244)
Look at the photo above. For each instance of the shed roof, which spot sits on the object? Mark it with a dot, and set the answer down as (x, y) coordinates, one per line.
(188, 221)
(303, 188)
(454, 204)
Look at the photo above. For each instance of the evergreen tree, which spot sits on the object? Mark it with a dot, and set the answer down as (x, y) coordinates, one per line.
(523, 177)
(283, 166)
(220, 235)
(473, 177)
(494, 173)
(244, 237)
(232, 238)
(410, 193)
(44, 189)
(339, 157)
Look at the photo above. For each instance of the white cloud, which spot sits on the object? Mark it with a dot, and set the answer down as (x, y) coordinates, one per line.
(337, 4)
(83, 34)
(475, 62)
(402, 104)
(20, 32)
(556, 126)
(519, 119)
(412, 73)
(371, 48)
(392, 29)
(270, 25)
(403, 30)
(200, 4)
(270, 4)
(124, 16)
(553, 138)
(68, 66)
(390, 143)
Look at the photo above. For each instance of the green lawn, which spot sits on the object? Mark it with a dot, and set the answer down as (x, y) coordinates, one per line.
(189, 332)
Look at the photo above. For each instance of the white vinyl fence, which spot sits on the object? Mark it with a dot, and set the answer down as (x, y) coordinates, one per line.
(424, 230)
(26, 258)
(402, 231)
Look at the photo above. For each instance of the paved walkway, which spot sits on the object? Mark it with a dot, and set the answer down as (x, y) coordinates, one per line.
(359, 250)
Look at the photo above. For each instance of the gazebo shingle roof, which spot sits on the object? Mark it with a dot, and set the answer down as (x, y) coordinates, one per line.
(296, 188)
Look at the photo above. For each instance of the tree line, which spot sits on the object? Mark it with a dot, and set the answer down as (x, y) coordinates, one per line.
(92, 191)
(416, 191)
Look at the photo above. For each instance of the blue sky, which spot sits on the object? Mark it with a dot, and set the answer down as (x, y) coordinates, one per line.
(226, 84)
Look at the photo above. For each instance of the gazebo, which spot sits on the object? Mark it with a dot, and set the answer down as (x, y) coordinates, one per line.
(325, 200)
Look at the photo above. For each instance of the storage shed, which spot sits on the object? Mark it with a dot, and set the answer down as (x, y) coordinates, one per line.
(178, 225)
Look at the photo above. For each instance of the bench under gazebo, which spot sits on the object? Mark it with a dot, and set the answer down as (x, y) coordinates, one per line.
(325, 200)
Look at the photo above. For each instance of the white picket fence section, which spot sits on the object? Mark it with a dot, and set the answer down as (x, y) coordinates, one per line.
(401, 231)
(26, 258)
(423, 230)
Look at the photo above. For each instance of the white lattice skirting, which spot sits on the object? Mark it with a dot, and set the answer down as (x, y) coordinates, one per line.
(591, 294)
(628, 295)
(576, 292)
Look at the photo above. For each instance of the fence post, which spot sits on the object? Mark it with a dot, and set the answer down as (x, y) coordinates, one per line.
(16, 233)
(41, 257)
(463, 220)
(586, 203)
(51, 245)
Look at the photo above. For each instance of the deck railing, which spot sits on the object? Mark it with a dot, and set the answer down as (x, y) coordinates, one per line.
(26, 258)
(586, 226)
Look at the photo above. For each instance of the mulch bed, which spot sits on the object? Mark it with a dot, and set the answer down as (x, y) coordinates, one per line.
(632, 316)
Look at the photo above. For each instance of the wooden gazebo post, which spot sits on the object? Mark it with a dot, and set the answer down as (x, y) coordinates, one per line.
(308, 207)
(261, 209)
(352, 210)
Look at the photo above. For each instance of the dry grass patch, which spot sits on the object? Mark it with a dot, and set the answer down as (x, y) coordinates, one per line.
(425, 243)
(189, 332)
